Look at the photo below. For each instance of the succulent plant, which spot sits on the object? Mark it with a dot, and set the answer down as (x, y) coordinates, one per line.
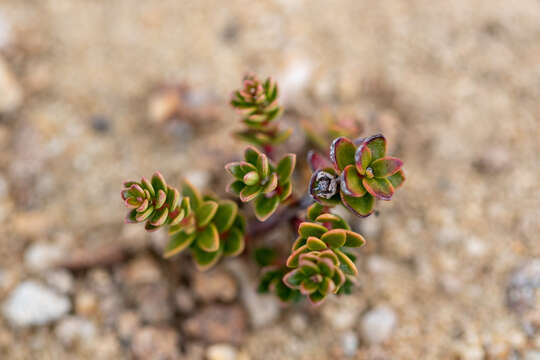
(256, 178)
(257, 101)
(211, 229)
(326, 231)
(317, 275)
(153, 202)
(356, 175)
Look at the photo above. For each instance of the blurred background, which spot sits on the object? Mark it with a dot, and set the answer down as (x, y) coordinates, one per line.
(95, 92)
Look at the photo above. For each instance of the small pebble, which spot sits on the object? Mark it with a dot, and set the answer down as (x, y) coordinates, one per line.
(377, 324)
(221, 352)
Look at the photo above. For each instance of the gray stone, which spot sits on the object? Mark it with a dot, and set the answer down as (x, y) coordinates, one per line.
(74, 329)
(349, 343)
(377, 324)
(41, 256)
(32, 303)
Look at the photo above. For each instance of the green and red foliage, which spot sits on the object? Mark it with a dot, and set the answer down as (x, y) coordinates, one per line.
(257, 178)
(356, 174)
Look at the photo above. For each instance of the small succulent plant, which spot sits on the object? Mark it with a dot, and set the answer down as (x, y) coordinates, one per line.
(257, 178)
(356, 175)
(320, 262)
(211, 229)
(153, 202)
(258, 103)
(326, 231)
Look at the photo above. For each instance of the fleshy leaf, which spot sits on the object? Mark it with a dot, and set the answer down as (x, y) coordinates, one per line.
(285, 191)
(233, 243)
(161, 198)
(177, 216)
(314, 210)
(192, 193)
(377, 146)
(351, 182)
(317, 161)
(205, 213)
(177, 243)
(235, 169)
(225, 215)
(272, 184)
(354, 239)
(158, 182)
(316, 298)
(208, 239)
(251, 178)
(308, 229)
(250, 192)
(336, 221)
(293, 279)
(292, 261)
(144, 215)
(346, 263)
(386, 166)
(131, 217)
(236, 187)
(159, 217)
(251, 155)
(342, 152)
(335, 238)
(362, 158)
(380, 188)
(148, 186)
(362, 206)
(205, 260)
(265, 207)
(397, 179)
(285, 167)
(315, 244)
(173, 198)
(263, 167)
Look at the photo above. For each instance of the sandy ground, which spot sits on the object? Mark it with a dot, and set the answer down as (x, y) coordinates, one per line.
(454, 84)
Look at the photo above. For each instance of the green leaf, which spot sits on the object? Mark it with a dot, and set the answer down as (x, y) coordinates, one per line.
(208, 238)
(308, 267)
(271, 185)
(351, 182)
(354, 239)
(315, 244)
(173, 198)
(240, 223)
(205, 260)
(251, 178)
(397, 179)
(161, 198)
(307, 229)
(251, 155)
(342, 152)
(147, 185)
(263, 167)
(158, 182)
(144, 215)
(346, 263)
(233, 243)
(225, 215)
(292, 260)
(327, 267)
(336, 221)
(250, 192)
(300, 241)
(285, 191)
(386, 166)
(335, 238)
(159, 217)
(314, 210)
(362, 206)
(131, 217)
(265, 206)
(192, 193)
(380, 188)
(316, 298)
(362, 158)
(294, 278)
(285, 167)
(205, 213)
(377, 146)
(177, 243)
(236, 187)
(176, 219)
